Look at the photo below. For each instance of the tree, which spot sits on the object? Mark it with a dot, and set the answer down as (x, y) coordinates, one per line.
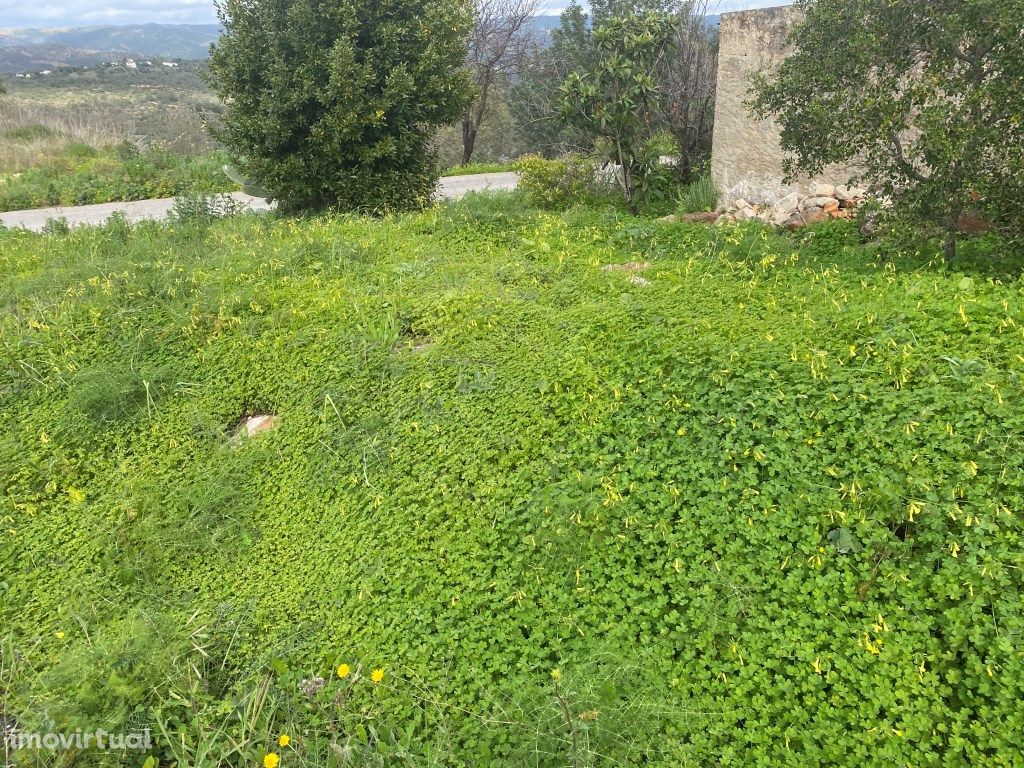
(927, 96)
(539, 84)
(604, 11)
(687, 80)
(498, 45)
(615, 100)
(333, 103)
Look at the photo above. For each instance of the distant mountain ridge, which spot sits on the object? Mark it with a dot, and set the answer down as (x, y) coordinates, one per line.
(27, 49)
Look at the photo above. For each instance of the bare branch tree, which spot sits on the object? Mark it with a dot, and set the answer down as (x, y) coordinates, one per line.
(500, 42)
(688, 84)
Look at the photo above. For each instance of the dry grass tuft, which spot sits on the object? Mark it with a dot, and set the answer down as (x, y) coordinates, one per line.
(31, 134)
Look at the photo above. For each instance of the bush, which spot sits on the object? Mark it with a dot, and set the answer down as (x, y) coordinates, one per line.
(926, 96)
(334, 105)
(555, 184)
(699, 196)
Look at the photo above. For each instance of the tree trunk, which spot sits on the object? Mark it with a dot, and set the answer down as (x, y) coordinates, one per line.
(950, 249)
(469, 132)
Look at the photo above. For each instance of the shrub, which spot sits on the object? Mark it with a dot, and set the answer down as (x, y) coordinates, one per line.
(555, 183)
(334, 105)
(699, 196)
(615, 97)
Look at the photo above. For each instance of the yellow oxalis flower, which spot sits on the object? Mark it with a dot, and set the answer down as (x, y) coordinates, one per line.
(284, 740)
(343, 670)
(377, 675)
(271, 760)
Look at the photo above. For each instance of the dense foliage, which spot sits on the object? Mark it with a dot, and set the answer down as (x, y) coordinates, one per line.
(82, 175)
(614, 100)
(928, 96)
(760, 506)
(334, 104)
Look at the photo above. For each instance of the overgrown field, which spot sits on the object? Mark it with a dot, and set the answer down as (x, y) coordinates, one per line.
(82, 175)
(756, 503)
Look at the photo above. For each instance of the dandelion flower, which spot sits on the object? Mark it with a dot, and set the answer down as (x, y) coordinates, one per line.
(556, 674)
(343, 670)
(284, 740)
(271, 760)
(377, 675)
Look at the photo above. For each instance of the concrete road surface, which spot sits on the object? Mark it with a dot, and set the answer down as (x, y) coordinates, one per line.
(450, 188)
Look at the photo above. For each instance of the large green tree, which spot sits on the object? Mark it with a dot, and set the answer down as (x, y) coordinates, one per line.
(333, 103)
(928, 96)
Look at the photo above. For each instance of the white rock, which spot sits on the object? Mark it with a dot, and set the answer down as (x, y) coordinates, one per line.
(256, 424)
(820, 189)
(818, 202)
(850, 194)
(784, 208)
(740, 204)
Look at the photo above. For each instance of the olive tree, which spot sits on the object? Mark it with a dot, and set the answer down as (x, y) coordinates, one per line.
(333, 103)
(927, 96)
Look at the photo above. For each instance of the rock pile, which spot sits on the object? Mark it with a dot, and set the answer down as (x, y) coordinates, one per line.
(795, 210)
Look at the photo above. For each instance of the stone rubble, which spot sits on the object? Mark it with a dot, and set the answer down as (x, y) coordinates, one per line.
(794, 211)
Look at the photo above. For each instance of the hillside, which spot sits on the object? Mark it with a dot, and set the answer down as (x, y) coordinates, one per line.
(33, 49)
(538, 489)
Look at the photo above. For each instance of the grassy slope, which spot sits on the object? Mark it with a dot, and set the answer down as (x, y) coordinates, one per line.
(82, 175)
(495, 459)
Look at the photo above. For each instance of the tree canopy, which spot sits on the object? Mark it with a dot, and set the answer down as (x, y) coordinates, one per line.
(929, 97)
(333, 104)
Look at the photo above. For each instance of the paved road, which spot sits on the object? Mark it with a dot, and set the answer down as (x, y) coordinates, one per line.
(450, 188)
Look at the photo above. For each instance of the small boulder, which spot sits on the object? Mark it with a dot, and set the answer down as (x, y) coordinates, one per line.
(804, 218)
(818, 202)
(784, 208)
(740, 204)
(250, 426)
(819, 189)
(850, 196)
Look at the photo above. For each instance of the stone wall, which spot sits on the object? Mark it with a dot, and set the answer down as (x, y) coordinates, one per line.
(746, 159)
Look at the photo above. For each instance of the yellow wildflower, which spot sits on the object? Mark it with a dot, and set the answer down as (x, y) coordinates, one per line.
(556, 674)
(59, 635)
(377, 675)
(284, 740)
(271, 760)
(343, 670)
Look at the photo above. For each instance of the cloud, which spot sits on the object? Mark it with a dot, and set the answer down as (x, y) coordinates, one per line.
(82, 13)
(79, 13)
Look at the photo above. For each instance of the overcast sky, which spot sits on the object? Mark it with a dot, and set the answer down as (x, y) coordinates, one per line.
(51, 13)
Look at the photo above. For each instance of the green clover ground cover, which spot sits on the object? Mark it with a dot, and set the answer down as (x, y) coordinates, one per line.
(762, 510)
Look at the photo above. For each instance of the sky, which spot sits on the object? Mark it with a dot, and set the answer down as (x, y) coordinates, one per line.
(53, 13)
